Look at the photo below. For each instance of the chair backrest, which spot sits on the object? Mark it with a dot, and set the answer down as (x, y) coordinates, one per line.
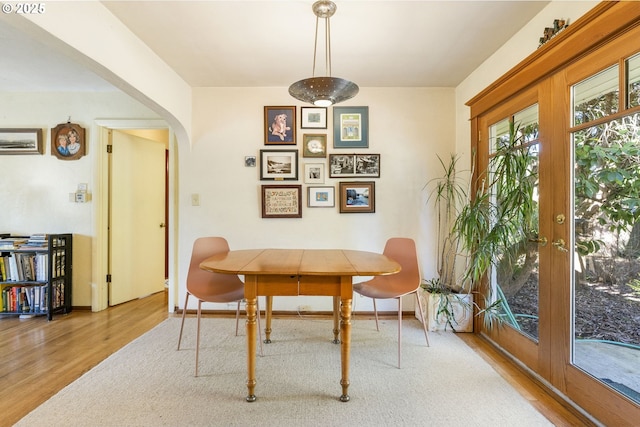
(403, 251)
(207, 285)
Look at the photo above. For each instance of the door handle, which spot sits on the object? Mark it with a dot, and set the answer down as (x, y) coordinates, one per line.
(560, 245)
(162, 225)
(542, 241)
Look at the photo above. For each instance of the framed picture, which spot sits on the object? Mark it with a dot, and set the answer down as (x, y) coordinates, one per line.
(250, 161)
(314, 145)
(357, 197)
(314, 173)
(68, 141)
(21, 141)
(279, 165)
(321, 197)
(354, 165)
(350, 127)
(281, 201)
(280, 125)
(313, 117)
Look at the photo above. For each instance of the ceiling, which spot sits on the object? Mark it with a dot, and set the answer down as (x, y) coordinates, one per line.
(270, 43)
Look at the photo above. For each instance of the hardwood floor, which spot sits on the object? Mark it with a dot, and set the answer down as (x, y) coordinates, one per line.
(39, 358)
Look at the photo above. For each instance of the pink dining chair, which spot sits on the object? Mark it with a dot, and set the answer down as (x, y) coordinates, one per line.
(407, 281)
(208, 286)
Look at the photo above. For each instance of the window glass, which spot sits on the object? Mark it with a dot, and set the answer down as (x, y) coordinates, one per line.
(514, 171)
(633, 81)
(596, 97)
(606, 288)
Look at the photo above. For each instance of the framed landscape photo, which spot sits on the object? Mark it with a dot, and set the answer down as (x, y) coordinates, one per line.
(279, 165)
(321, 197)
(68, 141)
(281, 201)
(21, 141)
(280, 125)
(314, 173)
(313, 117)
(314, 145)
(358, 197)
(350, 127)
(354, 165)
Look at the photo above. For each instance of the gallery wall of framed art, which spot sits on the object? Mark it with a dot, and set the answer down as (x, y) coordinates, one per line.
(311, 151)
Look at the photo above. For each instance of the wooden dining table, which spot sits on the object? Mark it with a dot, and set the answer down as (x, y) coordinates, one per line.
(290, 272)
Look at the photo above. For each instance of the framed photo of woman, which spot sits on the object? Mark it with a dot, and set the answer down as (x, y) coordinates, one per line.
(68, 141)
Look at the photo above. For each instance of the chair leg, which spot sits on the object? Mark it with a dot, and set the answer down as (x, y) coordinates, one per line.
(423, 320)
(198, 335)
(399, 331)
(184, 312)
(375, 312)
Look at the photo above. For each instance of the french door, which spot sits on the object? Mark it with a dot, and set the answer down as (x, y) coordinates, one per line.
(521, 277)
(570, 295)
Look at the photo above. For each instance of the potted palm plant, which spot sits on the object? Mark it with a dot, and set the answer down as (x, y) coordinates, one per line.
(446, 300)
(495, 228)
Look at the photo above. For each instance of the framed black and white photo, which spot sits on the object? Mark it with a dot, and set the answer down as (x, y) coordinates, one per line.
(354, 165)
(357, 197)
(21, 141)
(350, 127)
(321, 197)
(279, 165)
(313, 117)
(314, 173)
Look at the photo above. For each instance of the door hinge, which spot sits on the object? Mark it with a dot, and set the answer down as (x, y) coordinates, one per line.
(108, 278)
(109, 148)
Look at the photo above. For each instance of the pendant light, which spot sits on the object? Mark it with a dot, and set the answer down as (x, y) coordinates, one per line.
(323, 91)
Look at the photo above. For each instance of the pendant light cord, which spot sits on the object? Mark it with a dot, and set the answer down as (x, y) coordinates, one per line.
(327, 44)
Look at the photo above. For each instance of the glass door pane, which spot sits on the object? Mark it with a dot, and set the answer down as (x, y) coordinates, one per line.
(514, 164)
(633, 81)
(596, 97)
(606, 288)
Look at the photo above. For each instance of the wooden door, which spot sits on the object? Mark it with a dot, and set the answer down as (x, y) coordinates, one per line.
(136, 217)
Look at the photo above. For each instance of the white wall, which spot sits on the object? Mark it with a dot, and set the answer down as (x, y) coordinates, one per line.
(34, 189)
(407, 127)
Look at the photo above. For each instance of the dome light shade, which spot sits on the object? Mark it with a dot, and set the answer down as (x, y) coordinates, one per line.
(323, 91)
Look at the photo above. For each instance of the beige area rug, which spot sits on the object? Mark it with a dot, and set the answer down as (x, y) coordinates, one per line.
(149, 383)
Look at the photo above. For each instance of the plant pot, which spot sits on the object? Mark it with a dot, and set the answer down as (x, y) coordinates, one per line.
(459, 305)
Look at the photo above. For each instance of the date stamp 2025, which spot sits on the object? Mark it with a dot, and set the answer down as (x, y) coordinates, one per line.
(24, 8)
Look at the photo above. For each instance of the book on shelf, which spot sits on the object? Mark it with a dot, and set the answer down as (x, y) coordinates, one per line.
(38, 240)
(24, 266)
(12, 242)
(23, 299)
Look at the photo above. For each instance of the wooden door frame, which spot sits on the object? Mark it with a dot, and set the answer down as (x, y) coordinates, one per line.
(99, 299)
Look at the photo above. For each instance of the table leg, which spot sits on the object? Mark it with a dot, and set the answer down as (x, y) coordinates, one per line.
(267, 329)
(250, 290)
(336, 320)
(345, 336)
